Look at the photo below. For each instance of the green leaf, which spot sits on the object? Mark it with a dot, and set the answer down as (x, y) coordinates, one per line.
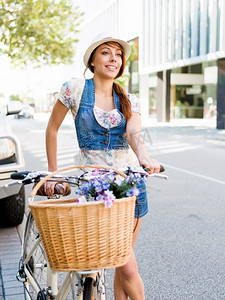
(39, 31)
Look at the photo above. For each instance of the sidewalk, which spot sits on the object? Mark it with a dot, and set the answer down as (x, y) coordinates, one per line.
(205, 127)
(10, 251)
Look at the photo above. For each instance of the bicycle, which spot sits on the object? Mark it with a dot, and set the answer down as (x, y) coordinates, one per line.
(40, 281)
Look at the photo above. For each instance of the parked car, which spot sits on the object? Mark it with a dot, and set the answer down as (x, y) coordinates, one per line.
(27, 111)
(12, 194)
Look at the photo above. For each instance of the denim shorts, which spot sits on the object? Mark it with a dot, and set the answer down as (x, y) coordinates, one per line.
(141, 206)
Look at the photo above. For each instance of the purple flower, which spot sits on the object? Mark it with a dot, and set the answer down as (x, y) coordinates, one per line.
(108, 187)
(110, 177)
(95, 172)
(100, 197)
(133, 192)
(105, 185)
(97, 185)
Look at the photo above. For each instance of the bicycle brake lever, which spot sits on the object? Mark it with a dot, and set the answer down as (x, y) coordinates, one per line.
(31, 177)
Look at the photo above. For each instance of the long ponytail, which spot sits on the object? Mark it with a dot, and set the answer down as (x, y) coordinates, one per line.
(124, 101)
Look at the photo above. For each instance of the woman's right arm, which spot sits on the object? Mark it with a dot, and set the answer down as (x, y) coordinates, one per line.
(58, 114)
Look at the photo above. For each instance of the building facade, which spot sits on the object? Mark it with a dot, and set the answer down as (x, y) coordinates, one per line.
(179, 69)
(182, 52)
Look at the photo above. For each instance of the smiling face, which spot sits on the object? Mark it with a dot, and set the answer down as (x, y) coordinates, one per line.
(107, 61)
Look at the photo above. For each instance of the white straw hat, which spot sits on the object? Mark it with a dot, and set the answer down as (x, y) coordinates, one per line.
(101, 39)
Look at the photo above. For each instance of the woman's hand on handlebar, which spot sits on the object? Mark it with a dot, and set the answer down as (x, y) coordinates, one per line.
(150, 165)
(60, 188)
(49, 187)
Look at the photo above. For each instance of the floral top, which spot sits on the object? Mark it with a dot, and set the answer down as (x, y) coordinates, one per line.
(70, 96)
(107, 119)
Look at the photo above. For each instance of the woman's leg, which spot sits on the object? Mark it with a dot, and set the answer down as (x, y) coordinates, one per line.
(127, 281)
(119, 292)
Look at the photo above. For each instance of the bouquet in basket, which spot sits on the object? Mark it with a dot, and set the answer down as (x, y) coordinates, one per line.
(108, 187)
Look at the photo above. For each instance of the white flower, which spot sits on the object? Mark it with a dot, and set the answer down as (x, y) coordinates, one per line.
(119, 181)
(81, 199)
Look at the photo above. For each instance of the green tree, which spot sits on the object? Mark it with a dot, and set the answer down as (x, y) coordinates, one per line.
(14, 97)
(39, 31)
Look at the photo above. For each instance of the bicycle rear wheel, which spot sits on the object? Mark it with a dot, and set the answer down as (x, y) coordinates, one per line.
(36, 264)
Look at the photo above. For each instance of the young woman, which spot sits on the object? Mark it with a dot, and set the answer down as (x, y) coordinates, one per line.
(107, 122)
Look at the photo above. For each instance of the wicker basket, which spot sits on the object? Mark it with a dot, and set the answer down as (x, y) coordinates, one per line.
(84, 236)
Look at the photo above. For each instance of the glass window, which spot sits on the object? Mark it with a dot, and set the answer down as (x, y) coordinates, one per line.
(153, 102)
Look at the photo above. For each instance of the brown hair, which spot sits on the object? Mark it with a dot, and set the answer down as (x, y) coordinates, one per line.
(124, 101)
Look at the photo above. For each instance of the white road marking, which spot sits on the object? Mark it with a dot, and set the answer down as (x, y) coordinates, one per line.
(194, 174)
(217, 142)
(64, 131)
(159, 146)
(180, 149)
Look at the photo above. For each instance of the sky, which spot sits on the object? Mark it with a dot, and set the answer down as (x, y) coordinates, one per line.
(32, 83)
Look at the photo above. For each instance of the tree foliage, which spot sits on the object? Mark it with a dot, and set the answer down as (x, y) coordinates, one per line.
(39, 31)
(15, 97)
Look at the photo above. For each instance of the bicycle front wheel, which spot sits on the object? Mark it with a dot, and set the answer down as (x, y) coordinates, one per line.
(35, 263)
(88, 293)
(92, 290)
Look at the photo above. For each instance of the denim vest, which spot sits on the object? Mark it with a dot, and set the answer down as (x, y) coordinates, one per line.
(90, 134)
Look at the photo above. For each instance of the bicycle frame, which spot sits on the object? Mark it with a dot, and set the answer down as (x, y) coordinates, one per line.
(51, 288)
(48, 288)
(65, 288)
(67, 284)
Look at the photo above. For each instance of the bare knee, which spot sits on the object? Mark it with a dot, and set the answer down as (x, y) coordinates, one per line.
(129, 274)
(130, 270)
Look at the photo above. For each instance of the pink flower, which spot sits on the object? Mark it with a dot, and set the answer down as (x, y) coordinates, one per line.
(67, 92)
(109, 198)
(81, 199)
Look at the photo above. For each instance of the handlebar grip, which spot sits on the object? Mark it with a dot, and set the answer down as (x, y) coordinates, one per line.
(59, 189)
(162, 168)
(19, 175)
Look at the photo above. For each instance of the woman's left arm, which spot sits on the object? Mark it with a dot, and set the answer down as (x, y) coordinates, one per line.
(137, 143)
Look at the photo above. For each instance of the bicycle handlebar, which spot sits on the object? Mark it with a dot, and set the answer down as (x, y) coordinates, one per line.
(28, 177)
(20, 175)
(36, 175)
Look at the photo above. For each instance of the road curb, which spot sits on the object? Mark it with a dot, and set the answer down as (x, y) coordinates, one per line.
(2, 291)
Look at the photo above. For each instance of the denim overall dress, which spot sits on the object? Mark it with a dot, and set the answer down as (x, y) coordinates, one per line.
(92, 136)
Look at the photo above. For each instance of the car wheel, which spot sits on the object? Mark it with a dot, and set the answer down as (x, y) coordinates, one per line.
(12, 209)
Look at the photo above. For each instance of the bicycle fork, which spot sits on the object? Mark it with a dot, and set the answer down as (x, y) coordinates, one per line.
(68, 284)
(99, 285)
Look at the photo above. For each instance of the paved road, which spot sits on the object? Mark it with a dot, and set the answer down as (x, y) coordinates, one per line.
(180, 248)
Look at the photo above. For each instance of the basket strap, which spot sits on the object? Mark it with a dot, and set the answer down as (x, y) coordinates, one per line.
(39, 184)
